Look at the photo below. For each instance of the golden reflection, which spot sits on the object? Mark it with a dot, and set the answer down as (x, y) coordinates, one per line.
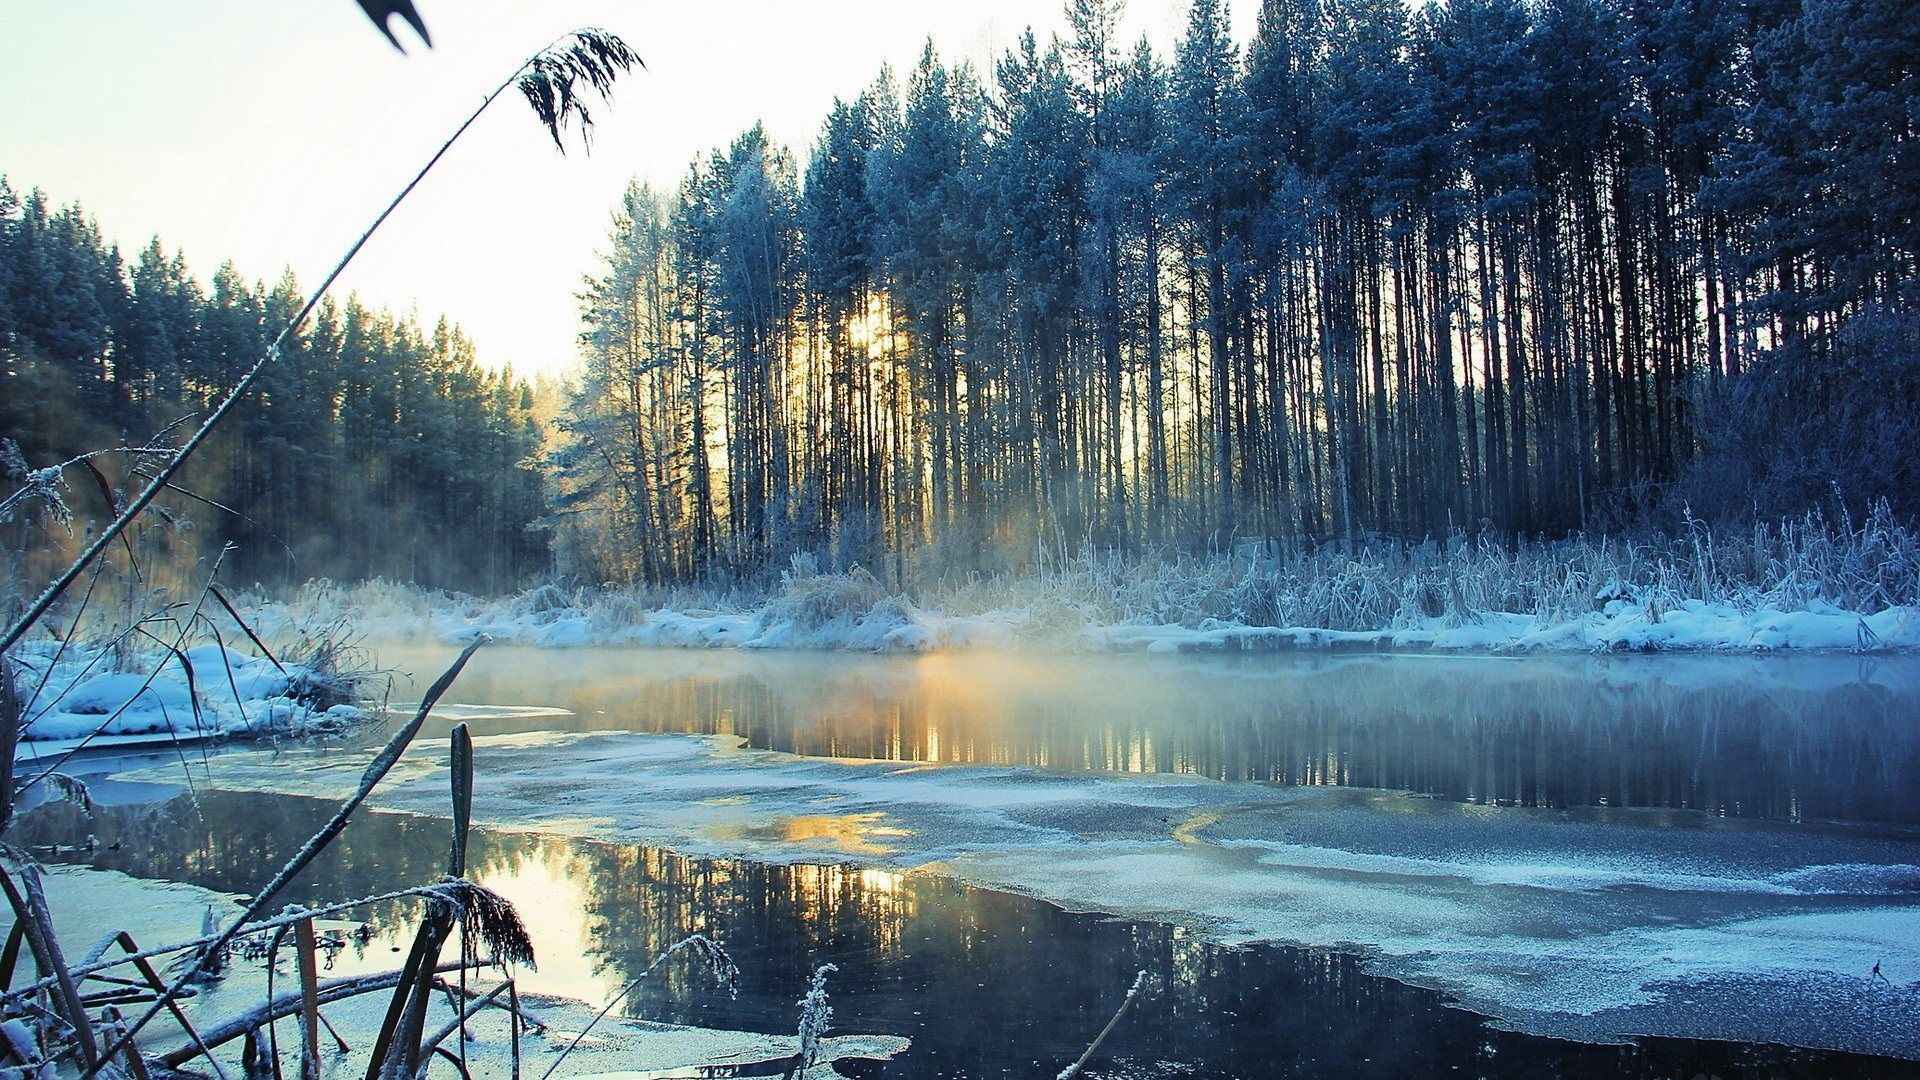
(599, 913)
(1547, 732)
(854, 834)
(883, 882)
(567, 947)
(1188, 831)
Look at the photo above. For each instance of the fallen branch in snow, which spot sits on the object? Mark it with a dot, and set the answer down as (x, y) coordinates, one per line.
(286, 1005)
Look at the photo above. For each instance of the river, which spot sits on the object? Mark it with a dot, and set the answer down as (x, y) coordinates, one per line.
(1375, 866)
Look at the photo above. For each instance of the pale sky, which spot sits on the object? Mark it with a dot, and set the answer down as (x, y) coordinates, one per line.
(271, 131)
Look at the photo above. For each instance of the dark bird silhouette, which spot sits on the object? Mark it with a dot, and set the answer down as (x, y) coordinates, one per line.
(380, 11)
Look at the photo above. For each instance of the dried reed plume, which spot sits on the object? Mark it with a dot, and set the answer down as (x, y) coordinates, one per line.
(556, 78)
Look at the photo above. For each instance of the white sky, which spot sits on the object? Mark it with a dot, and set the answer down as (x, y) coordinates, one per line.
(270, 131)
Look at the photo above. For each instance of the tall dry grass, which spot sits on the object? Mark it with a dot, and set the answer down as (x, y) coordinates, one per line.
(1790, 565)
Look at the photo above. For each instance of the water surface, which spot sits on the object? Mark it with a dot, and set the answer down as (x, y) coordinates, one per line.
(1583, 847)
(986, 984)
(1792, 738)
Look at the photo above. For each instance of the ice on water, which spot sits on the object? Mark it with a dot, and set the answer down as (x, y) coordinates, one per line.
(1552, 921)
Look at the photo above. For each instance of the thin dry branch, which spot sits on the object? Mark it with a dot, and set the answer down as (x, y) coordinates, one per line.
(285, 1005)
(441, 889)
(29, 904)
(179, 639)
(474, 1005)
(717, 960)
(376, 770)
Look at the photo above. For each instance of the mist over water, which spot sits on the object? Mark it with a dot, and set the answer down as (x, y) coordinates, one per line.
(1802, 738)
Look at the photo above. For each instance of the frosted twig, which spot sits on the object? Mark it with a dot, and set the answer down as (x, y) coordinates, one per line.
(45, 483)
(86, 600)
(1073, 1070)
(284, 1005)
(815, 1017)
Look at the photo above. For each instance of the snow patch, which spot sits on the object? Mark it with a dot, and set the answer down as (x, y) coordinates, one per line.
(72, 694)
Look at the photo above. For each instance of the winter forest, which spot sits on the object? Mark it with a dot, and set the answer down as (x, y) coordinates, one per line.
(366, 416)
(1386, 272)
(1382, 274)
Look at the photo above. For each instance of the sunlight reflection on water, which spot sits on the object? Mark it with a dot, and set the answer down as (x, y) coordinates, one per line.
(1785, 738)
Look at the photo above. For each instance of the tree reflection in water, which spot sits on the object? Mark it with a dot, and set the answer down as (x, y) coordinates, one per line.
(1783, 738)
(985, 983)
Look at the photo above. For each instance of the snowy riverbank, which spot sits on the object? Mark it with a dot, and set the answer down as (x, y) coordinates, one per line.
(810, 615)
(87, 692)
(1804, 584)
(897, 627)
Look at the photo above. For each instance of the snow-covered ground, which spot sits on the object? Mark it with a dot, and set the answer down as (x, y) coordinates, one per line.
(207, 691)
(817, 614)
(1553, 922)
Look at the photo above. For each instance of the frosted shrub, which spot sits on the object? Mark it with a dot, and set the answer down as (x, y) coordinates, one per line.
(810, 599)
(544, 600)
(616, 609)
(1867, 566)
(372, 600)
(1051, 616)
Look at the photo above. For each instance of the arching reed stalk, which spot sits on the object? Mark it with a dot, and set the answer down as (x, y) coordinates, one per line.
(375, 771)
(557, 82)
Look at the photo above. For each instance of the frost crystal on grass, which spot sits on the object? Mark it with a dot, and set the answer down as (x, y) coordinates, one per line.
(815, 1017)
(42, 484)
(12, 462)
